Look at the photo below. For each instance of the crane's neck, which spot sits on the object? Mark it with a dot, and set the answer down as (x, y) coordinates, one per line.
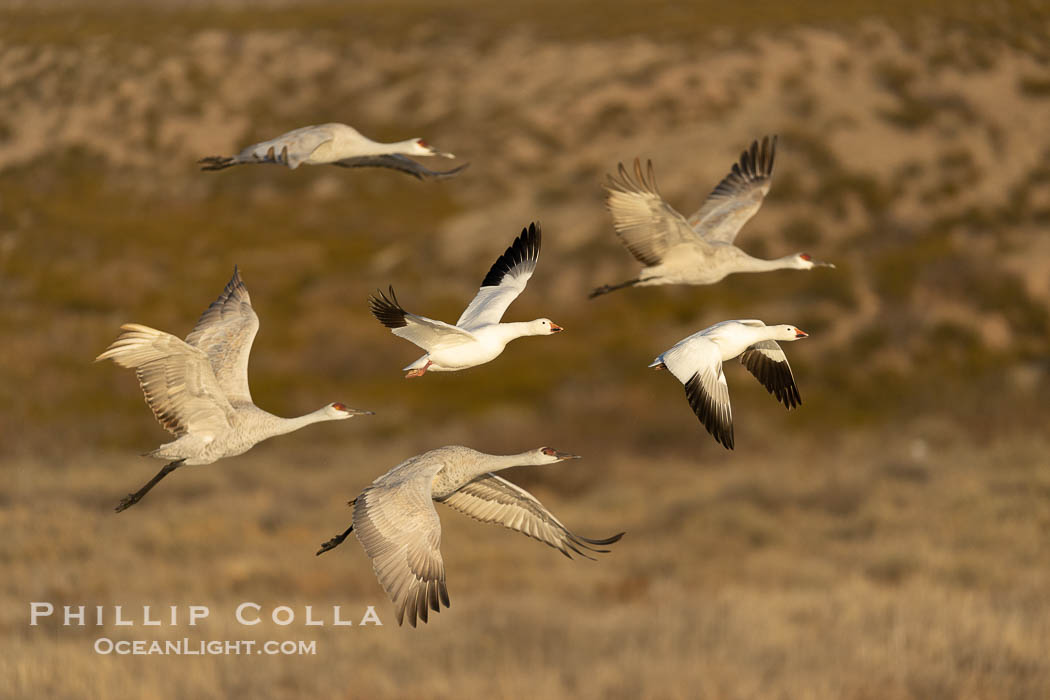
(748, 263)
(272, 426)
(459, 470)
(368, 147)
(485, 463)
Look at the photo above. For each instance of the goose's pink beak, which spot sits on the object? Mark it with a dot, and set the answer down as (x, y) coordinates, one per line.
(799, 333)
(555, 328)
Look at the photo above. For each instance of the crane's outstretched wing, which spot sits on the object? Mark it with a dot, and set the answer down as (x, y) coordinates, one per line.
(767, 361)
(401, 533)
(425, 332)
(505, 280)
(399, 162)
(176, 378)
(738, 196)
(290, 149)
(647, 225)
(225, 332)
(492, 499)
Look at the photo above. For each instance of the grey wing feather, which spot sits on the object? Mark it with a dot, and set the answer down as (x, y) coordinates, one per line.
(400, 531)
(647, 225)
(176, 379)
(738, 196)
(225, 333)
(400, 163)
(767, 361)
(492, 499)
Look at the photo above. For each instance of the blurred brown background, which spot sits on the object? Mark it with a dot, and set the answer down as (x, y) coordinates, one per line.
(887, 540)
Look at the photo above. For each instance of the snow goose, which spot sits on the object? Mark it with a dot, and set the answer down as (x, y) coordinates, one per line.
(478, 335)
(697, 361)
(400, 531)
(198, 388)
(697, 250)
(336, 144)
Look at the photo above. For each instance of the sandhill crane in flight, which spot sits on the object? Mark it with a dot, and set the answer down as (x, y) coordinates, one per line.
(400, 531)
(198, 388)
(335, 144)
(697, 250)
(478, 335)
(696, 361)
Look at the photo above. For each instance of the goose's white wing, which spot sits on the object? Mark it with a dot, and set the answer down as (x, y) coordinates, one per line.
(492, 499)
(647, 225)
(225, 332)
(505, 280)
(697, 363)
(425, 332)
(397, 525)
(176, 378)
(289, 149)
(738, 196)
(767, 361)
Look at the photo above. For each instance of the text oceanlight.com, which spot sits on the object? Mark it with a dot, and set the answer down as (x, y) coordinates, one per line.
(197, 647)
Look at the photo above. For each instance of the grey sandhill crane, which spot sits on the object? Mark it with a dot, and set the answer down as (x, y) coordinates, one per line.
(335, 144)
(478, 335)
(198, 388)
(399, 528)
(696, 361)
(697, 250)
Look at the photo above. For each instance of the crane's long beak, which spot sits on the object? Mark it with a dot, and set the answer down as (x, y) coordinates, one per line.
(443, 154)
(566, 455)
(353, 411)
(821, 263)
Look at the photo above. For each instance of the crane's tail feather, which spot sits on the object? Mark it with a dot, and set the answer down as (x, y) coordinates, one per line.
(218, 162)
(605, 289)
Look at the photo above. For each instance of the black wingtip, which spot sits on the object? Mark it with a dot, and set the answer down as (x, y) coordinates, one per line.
(525, 248)
(704, 408)
(387, 310)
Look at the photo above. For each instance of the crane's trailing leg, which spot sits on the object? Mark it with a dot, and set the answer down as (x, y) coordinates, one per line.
(133, 498)
(217, 162)
(335, 541)
(605, 289)
(419, 371)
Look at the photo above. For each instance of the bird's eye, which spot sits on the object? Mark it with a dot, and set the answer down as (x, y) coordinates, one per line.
(423, 143)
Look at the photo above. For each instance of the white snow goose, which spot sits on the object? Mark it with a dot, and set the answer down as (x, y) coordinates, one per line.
(198, 388)
(696, 361)
(478, 336)
(335, 144)
(697, 250)
(400, 531)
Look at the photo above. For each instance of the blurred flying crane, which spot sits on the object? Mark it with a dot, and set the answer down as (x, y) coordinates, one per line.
(400, 530)
(697, 361)
(478, 335)
(697, 250)
(335, 144)
(198, 388)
